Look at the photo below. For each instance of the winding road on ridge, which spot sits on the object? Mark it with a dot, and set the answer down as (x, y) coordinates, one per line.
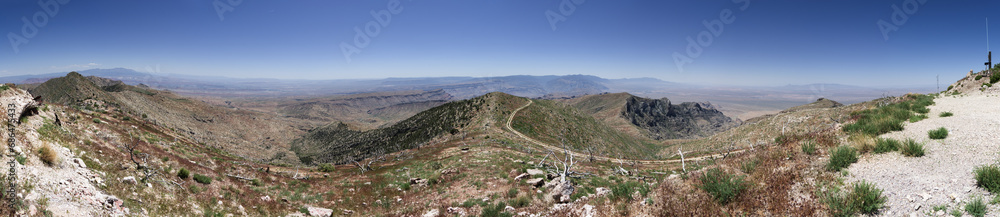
(510, 119)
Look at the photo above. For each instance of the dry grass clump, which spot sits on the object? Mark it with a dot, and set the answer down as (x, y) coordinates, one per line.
(48, 155)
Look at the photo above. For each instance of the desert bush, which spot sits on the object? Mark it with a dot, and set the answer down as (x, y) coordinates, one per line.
(183, 173)
(624, 190)
(48, 155)
(889, 118)
(512, 192)
(912, 148)
(749, 165)
(939, 133)
(988, 177)
(867, 198)
(21, 159)
(915, 118)
(722, 186)
(976, 207)
(994, 78)
(97, 121)
(864, 198)
(809, 148)
(326, 168)
(521, 201)
(256, 182)
(886, 145)
(202, 179)
(979, 77)
(496, 211)
(842, 157)
(946, 114)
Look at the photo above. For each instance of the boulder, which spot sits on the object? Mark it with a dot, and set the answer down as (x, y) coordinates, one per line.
(522, 176)
(537, 182)
(601, 191)
(535, 172)
(560, 191)
(316, 211)
(418, 181)
(79, 162)
(432, 213)
(129, 179)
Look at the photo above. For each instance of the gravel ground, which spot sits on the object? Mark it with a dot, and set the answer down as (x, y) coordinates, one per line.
(913, 185)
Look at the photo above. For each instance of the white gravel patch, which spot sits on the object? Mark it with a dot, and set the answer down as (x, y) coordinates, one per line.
(916, 184)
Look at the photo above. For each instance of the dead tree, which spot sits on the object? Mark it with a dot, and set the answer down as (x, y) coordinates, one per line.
(138, 158)
(567, 164)
(683, 166)
(365, 165)
(590, 151)
(541, 163)
(621, 166)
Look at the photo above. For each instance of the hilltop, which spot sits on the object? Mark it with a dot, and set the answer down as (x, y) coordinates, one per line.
(251, 135)
(656, 118)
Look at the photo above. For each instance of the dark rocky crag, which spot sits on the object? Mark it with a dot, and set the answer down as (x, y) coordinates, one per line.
(687, 120)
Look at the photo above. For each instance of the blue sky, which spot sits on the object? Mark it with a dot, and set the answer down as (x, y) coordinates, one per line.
(774, 42)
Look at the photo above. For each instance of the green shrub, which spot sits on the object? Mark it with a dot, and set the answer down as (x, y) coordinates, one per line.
(749, 165)
(976, 207)
(256, 182)
(809, 148)
(912, 148)
(21, 159)
(496, 211)
(202, 179)
(512, 193)
(867, 198)
(723, 187)
(994, 78)
(405, 186)
(946, 114)
(888, 118)
(988, 177)
(842, 157)
(939, 133)
(521, 201)
(183, 173)
(97, 121)
(915, 118)
(979, 77)
(864, 198)
(886, 145)
(326, 168)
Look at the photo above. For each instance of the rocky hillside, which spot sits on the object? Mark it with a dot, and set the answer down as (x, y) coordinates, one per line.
(337, 143)
(363, 111)
(248, 134)
(657, 119)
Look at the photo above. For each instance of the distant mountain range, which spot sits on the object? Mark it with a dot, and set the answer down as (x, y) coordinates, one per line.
(550, 87)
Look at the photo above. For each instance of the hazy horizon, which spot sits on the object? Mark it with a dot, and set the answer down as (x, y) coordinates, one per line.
(737, 43)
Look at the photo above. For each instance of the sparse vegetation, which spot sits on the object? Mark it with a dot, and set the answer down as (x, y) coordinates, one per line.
(867, 198)
(888, 118)
(48, 155)
(749, 165)
(864, 198)
(97, 121)
(915, 118)
(946, 114)
(809, 148)
(883, 145)
(723, 187)
(842, 157)
(976, 207)
(495, 211)
(912, 148)
(939, 133)
(988, 177)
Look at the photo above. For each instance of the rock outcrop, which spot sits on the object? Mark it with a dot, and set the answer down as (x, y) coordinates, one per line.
(687, 120)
